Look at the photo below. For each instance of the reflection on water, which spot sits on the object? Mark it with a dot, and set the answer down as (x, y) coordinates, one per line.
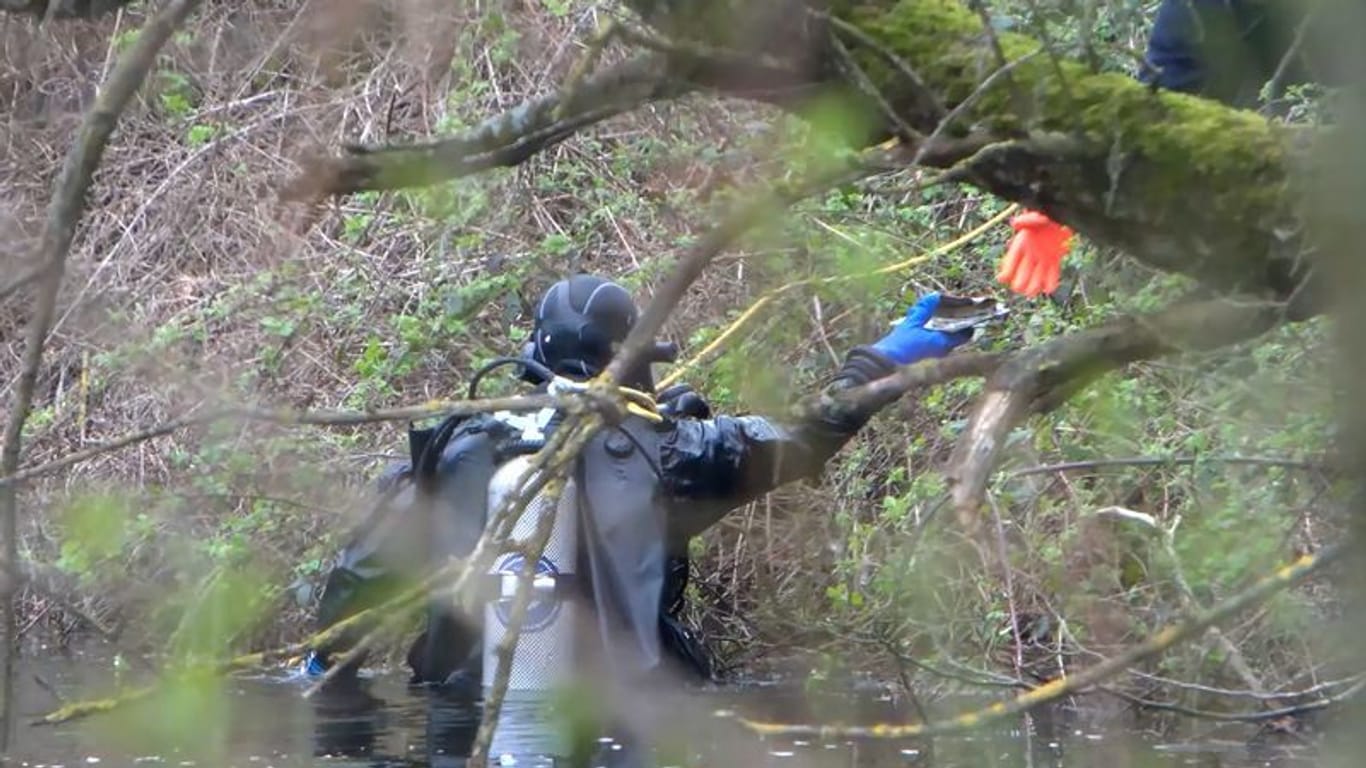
(264, 722)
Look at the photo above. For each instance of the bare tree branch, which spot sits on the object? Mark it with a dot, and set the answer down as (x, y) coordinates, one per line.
(1291, 710)
(1171, 461)
(286, 416)
(926, 373)
(853, 71)
(1314, 690)
(1040, 378)
(968, 103)
(928, 99)
(64, 213)
(503, 140)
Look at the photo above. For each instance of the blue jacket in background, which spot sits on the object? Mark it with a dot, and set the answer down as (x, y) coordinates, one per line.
(1224, 49)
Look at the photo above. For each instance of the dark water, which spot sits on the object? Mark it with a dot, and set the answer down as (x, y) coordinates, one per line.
(264, 722)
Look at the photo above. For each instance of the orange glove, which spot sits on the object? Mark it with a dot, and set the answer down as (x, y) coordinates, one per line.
(1033, 261)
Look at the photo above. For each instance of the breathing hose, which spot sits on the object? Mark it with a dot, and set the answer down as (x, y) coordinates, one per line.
(637, 402)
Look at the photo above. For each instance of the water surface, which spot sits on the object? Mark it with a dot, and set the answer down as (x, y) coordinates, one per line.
(263, 721)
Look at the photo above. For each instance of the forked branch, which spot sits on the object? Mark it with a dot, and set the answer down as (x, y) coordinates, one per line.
(1040, 378)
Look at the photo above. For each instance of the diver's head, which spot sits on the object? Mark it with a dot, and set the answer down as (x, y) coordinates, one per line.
(579, 324)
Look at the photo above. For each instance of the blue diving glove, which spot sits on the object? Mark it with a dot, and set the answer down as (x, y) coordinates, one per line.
(909, 342)
(313, 665)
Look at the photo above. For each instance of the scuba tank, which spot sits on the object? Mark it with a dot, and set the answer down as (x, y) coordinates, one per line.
(544, 654)
(545, 650)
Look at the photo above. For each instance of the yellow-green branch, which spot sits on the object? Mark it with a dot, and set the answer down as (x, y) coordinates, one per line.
(1282, 579)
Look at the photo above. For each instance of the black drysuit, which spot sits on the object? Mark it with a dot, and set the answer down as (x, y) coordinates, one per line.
(645, 490)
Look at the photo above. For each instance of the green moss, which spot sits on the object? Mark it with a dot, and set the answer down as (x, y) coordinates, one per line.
(1185, 141)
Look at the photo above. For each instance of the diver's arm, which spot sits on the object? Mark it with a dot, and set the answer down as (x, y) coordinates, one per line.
(357, 581)
(714, 465)
(737, 458)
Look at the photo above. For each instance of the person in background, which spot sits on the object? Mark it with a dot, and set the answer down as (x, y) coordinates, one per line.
(1225, 50)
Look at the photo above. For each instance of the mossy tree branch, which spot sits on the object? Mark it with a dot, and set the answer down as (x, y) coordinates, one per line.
(1119, 162)
(1181, 183)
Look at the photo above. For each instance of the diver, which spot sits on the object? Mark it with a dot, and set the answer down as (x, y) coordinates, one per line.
(610, 587)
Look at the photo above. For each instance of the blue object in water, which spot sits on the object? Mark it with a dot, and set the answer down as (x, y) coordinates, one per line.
(313, 665)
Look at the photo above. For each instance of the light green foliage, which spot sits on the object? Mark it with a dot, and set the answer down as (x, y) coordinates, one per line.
(190, 717)
(96, 531)
(200, 134)
(231, 600)
(175, 94)
(125, 39)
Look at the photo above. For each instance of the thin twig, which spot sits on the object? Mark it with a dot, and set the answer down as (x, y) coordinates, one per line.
(596, 44)
(963, 106)
(1009, 584)
(1277, 81)
(1192, 605)
(1002, 62)
(977, 678)
(286, 416)
(1041, 29)
(898, 63)
(865, 84)
(1312, 690)
(1150, 461)
(502, 140)
(1241, 717)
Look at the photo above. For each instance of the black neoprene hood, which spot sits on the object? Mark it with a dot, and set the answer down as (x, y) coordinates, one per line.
(578, 323)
